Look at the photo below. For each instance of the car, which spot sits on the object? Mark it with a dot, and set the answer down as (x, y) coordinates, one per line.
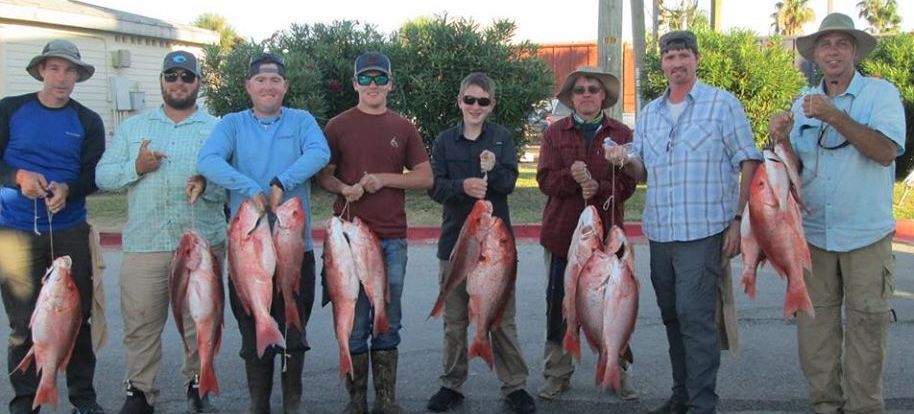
(548, 111)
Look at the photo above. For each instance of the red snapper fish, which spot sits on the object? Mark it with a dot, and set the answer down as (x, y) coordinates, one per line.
(55, 324)
(585, 241)
(195, 285)
(772, 230)
(289, 241)
(343, 286)
(607, 296)
(369, 263)
(252, 261)
(486, 258)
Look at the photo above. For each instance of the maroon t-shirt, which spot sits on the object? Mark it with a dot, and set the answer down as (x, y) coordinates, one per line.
(362, 143)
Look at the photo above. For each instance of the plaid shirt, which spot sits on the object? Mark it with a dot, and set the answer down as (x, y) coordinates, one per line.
(157, 210)
(693, 165)
(562, 145)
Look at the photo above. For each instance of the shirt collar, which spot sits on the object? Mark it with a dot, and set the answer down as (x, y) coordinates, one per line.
(160, 115)
(853, 88)
(460, 130)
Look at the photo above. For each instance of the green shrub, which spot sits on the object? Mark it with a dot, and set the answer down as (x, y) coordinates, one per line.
(893, 60)
(431, 56)
(225, 74)
(761, 74)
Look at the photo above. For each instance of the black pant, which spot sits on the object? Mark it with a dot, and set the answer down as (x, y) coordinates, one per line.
(20, 296)
(295, 341)
(555, 294)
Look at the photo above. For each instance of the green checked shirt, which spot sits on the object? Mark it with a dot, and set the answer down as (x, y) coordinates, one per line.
(157, 209)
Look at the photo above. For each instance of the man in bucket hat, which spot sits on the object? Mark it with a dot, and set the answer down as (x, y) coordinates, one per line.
(573, 173)
(693, 143)
(49, 145)
(847, 132)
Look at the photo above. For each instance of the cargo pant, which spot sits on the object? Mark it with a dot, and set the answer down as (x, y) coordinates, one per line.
(862, 280)
(510, 366)
(144, 308)
(24, 258)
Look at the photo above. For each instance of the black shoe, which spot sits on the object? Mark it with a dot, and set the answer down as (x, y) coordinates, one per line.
(521, 402)
(444, 400)
(195, 404)
(135, 403)
(93, 408)
(670, 407)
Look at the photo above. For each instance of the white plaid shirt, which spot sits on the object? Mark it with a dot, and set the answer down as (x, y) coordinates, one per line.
(693, 165)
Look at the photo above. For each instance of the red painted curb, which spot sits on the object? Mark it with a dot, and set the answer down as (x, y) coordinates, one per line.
(904, 231)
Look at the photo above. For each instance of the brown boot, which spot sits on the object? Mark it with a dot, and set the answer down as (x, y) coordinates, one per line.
(291, 382)
(357, 385)
(260, 385)
(384, 372)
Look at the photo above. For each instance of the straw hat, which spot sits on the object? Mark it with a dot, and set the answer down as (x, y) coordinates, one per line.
(610, 85)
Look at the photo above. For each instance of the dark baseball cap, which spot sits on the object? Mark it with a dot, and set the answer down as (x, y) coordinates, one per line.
(180, 59)
(369, 61)
(679, 39)
(258, 61)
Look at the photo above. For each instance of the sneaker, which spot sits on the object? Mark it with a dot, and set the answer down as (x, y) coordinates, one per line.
(628, 391)
(444, 400)
(521, 402)
(92, 408)
(195, 404)
(553, 387)
(134, 404)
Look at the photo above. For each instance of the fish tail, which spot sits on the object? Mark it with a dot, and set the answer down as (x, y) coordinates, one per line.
(601, 371)
(748, 281)
(292, 317)
(797, 300)
(208, 381)
(438, 308)
(268, 334)
(47, 390)
(572, 343)
(345, 362)
(611, 377)
(483, 349)
(381, 323)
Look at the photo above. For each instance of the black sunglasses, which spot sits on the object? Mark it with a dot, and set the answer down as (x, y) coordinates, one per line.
(829, 147)
(186, 77)
(365, 80)
(470, 100)
(593, 90)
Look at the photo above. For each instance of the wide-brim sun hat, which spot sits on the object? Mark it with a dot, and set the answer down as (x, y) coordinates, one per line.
(63, 49)
(610, 85)
(836, 22)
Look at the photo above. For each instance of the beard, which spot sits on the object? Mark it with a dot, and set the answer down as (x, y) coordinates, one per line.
(180, 104)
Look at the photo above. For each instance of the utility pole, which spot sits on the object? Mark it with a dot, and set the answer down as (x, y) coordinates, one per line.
(716, 5)
(609, 44)
(656, 27)
(831, 6)
(638, 33)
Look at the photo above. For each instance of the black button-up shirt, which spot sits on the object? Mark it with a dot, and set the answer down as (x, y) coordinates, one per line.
(455, 158)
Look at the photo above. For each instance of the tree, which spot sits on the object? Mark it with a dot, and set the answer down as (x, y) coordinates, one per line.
(790, 16)
(686, 16)
(882, 15)
(228, 37)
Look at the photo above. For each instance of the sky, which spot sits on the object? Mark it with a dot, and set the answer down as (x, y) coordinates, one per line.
(556, 21)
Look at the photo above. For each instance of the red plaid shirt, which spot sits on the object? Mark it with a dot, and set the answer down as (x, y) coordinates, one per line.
(562, 145)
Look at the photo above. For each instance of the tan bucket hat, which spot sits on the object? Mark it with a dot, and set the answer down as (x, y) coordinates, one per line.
(610, 85)
(63, 49)
(837, 22)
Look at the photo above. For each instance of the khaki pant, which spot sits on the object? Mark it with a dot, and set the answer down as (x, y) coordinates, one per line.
(862, 281)
(144, 307)
(510, 366)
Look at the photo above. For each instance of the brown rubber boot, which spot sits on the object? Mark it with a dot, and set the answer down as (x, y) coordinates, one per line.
(260, 385)
(357, 385)
(291, 382)
(384, 372)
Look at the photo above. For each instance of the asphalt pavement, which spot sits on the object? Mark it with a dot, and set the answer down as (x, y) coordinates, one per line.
(763, 376)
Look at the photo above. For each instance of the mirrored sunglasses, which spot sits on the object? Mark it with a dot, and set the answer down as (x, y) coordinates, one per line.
(365, 80)
(470, 100)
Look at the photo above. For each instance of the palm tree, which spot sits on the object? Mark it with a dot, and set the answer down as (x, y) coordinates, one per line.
(882, 15)
(686, 15)
(790, 16)
(228, 37)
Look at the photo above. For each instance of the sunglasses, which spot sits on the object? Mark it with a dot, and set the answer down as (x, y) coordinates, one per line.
(470, 100)
(186, 77)
(593, 90)
(365, 80)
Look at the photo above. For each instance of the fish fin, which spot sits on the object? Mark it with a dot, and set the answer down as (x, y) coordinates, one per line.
(572, 343)
(483, 349)
(797, 300)
(26, 361)
(267, 334)
(47, 391)
(601, 370)
(439, 305)
(208, 381)
(292, 317)
(748, 281)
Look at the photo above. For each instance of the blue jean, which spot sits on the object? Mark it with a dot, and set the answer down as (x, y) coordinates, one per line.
(394, 251)
(686, 276)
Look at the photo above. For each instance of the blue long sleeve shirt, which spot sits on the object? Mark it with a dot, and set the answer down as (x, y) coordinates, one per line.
(244, 154)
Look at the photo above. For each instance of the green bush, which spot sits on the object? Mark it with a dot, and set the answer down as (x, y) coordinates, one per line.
(893, 60)
(761, 74)
(432, 55)
(225, 74)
